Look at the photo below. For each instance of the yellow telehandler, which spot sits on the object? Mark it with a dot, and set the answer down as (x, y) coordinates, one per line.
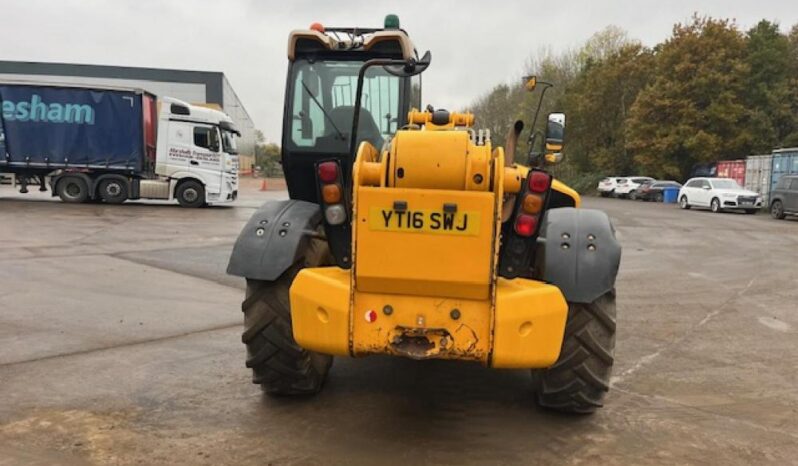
(407, 233)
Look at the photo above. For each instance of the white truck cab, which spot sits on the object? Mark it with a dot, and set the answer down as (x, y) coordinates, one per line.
(196, 155)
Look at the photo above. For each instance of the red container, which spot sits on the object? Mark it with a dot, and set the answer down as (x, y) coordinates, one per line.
(734, 169)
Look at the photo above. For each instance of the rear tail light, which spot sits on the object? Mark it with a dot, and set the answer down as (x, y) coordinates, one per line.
(519, 235)
(539, 181)
(532, 203)
(335, 207)
(331, 193)
(525, 225)
(335, 214)
(328, 172)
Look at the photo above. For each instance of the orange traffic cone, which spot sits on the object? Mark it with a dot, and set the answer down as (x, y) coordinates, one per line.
(263, 185)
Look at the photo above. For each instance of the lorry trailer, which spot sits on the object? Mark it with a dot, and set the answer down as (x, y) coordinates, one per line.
(114, 144)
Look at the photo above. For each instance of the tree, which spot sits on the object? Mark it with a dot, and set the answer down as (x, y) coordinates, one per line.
(496, 111)
(267, 156)
(769, 92)
(692, 112)
(598, 103)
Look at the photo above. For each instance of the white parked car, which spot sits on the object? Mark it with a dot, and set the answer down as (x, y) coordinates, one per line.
(628, 185)
(718, 194)
(606, 187)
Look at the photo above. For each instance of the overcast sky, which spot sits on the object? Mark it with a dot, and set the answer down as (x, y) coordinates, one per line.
(474, 44)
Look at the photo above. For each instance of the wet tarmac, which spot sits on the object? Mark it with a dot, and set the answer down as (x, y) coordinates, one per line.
(120, 344)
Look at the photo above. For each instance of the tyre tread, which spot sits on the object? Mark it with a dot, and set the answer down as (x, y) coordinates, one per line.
(278, 363)
(579, 380)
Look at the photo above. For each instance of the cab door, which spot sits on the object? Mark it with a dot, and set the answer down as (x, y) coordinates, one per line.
(174, 150)
(206, 156)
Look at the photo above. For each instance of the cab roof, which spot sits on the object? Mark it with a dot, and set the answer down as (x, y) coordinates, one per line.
(384, 42)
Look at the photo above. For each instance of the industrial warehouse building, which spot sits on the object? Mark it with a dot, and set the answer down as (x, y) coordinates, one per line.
(196, 87)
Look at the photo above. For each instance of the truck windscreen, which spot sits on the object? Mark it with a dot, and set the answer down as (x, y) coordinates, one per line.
(323, 99)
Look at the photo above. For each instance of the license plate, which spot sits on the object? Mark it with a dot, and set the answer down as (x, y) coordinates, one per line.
(424, 221)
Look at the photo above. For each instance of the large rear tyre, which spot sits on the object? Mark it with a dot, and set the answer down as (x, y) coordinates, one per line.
(72, 189)
(580, 378)
(278, 363)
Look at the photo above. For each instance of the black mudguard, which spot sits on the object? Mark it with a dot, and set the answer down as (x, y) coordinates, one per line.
(580, 254)
(274, 238)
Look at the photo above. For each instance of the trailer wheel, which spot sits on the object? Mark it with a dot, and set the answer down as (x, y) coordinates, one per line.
(190, 193)
(279, 365)
(113, 191)
(580, 378)
(72, 189)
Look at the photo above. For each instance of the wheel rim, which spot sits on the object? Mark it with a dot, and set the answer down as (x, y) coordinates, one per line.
(776, 209)
(683, 202)
(113, 189)
(190, 195)
(715, 205)
(72, 190)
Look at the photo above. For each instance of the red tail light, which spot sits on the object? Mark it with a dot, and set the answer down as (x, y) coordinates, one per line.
(539, 182)
(525, 225)
(328, 172)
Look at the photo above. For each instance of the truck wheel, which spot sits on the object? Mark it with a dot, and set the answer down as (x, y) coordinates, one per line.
(113, 191)
(580, 378)
(73, 189)
(278, 363)
(190, 194)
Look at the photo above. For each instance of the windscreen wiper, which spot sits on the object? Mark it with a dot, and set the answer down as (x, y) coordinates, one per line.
(326, 115)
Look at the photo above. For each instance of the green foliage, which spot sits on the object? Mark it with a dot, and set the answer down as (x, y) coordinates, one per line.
(710, 92)
(693, 111)
(267, 156)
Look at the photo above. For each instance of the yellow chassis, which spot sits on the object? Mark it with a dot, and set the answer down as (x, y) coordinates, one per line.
(417, 288)
(524, 330)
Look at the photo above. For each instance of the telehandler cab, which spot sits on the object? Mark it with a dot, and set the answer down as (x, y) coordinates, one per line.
(408, 234)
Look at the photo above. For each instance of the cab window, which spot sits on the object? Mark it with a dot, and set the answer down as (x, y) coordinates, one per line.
(206, 137)
(322, 105)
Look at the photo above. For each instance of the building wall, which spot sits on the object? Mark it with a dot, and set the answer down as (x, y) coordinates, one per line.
(198, 87)
(233, 107)
(189, 92)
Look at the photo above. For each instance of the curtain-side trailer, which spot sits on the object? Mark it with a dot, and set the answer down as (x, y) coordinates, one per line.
(114, 144)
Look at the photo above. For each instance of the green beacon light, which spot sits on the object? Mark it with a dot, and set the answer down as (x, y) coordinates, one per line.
(391, 22)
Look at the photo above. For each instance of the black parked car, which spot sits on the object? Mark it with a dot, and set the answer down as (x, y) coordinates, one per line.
(652, 191)
(784, 199)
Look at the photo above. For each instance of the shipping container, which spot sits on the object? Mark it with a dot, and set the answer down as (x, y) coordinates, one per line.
(785, 162)
(757, 175)
(734, 169)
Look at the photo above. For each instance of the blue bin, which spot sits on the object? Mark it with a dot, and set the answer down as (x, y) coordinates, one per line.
(669, 195)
